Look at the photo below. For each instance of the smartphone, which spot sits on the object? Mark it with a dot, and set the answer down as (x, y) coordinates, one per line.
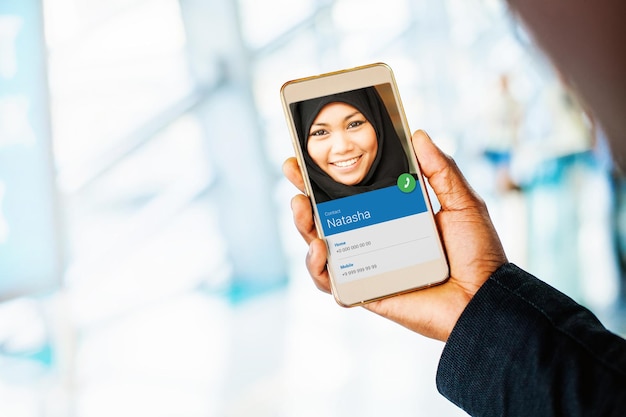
(369, 199)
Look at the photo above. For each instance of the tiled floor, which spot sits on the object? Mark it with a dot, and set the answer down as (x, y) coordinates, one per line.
(288, 353)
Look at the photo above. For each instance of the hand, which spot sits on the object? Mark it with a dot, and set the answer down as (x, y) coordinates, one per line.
(471, 242)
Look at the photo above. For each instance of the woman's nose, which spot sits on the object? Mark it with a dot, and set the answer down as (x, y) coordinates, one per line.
(342, 143)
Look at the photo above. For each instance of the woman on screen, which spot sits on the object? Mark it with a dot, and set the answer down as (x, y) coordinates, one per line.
(349, 144)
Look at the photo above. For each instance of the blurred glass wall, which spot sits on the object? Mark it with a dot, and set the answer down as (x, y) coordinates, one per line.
(30, 242)
(170, 279)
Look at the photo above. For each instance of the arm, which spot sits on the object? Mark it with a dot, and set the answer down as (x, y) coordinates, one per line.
(521, 348)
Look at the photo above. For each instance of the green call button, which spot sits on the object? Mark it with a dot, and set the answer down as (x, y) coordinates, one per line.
(406, 183)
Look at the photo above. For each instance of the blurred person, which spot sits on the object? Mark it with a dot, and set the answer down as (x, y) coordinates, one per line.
(504, 115)
(349, 142)
(555, 166)
(515, 346)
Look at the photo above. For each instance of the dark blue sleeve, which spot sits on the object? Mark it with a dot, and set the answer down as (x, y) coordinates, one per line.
(521, 348)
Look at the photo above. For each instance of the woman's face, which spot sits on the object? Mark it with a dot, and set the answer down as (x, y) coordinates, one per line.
(342, 142)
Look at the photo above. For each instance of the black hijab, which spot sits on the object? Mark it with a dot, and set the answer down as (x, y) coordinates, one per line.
(390, 161)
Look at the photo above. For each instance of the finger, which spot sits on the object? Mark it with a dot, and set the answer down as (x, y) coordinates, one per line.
(451, 187)
(316, 265)
(292, 172)
(303, 217)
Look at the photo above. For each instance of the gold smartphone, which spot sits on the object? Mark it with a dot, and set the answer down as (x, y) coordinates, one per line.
(370, 204)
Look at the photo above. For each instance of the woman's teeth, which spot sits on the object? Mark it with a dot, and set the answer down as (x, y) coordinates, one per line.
(346, 163)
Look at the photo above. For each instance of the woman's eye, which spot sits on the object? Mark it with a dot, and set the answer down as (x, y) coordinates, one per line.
(320, 132)
(354, 124)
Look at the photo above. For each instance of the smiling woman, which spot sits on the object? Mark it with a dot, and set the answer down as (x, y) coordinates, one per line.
(343, 143)
(350, 142)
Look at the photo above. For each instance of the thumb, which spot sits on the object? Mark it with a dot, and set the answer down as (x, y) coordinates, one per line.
(452, 189)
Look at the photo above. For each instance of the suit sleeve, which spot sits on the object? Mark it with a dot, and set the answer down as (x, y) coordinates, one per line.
(521, 348)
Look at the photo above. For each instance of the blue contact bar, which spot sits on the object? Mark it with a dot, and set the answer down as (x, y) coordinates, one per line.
(366, 209)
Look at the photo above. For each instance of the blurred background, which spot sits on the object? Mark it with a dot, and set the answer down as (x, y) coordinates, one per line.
(148, 261)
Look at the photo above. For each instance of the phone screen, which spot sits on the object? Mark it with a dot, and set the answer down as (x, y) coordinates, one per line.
(367, 233)
(368, 195)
